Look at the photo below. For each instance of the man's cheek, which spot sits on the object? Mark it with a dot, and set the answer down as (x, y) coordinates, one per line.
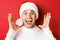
(23, 19)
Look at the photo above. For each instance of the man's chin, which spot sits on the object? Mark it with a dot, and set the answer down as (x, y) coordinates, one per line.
(29, 26)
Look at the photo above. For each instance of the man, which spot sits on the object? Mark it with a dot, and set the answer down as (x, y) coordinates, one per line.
(29, 31)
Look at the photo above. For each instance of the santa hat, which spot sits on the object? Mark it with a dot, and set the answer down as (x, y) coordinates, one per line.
(25, 6)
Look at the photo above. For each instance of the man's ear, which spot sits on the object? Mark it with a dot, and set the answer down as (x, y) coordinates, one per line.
(35, 18)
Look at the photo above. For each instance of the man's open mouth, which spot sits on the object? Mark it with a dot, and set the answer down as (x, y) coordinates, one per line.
(28, 21)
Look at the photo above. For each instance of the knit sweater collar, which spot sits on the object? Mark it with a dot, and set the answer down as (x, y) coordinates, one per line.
(34, 29)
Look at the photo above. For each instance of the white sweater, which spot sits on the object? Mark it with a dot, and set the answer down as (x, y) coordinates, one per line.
(30, 34)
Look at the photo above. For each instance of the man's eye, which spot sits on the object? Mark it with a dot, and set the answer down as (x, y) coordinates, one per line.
(32, 13)
(25, 13)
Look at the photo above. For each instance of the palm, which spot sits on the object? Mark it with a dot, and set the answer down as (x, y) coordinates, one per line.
(46, 21)
(11, 22)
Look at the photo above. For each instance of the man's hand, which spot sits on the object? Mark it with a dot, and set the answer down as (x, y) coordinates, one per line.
(11, 22)
(46, 21)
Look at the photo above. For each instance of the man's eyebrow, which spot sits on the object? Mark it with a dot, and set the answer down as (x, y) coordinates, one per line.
(32, 10)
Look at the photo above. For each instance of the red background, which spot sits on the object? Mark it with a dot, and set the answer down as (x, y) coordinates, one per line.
(12, 6)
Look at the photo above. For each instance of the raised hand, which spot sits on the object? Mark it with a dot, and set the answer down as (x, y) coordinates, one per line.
(46, 21)
(11, 22)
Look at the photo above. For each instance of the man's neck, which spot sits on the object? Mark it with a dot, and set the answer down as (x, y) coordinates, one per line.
(30, 27)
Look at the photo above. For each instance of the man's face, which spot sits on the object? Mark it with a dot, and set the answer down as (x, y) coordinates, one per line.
(29, 18)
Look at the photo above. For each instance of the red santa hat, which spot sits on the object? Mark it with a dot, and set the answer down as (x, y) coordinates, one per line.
(25, 6)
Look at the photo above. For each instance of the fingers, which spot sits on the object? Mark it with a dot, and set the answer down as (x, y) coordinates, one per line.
(40, 26)
(47, 19)
(49, 14)
(10, 17)
(10, 20)
(44, 17)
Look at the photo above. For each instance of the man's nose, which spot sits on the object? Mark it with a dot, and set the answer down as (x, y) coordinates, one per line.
(28, 16)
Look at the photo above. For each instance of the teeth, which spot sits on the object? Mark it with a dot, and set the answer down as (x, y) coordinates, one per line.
(29, 20)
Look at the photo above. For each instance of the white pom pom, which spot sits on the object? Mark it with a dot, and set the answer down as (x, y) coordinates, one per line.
(19, 22)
